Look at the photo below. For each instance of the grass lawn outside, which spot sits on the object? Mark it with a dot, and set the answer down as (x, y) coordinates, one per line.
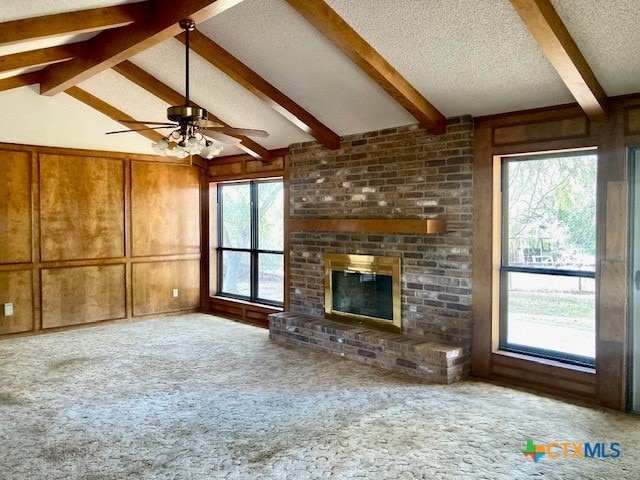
(557, 308)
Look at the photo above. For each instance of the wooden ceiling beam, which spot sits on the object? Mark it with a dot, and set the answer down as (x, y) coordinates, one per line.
(340, 33)
(239, 72)
(81, 21)
(561, 50)
(114, 46)
(152, 85)
(43, 56)
(21, 80)
(111, 112)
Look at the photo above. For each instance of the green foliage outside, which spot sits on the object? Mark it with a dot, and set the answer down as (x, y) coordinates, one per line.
(552, 211)
(236, 233)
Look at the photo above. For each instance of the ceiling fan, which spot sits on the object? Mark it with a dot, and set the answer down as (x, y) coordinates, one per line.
(191, 127)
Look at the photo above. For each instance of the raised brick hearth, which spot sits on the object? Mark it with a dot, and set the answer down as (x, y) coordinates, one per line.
(435, 361)
(400, 173)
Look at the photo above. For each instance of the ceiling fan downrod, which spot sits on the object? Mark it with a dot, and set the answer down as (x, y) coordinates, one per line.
(186, 113)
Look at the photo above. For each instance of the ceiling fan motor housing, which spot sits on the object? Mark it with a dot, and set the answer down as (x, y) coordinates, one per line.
(184, 113)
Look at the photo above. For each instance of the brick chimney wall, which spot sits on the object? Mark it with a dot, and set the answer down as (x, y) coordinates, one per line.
(402, 173)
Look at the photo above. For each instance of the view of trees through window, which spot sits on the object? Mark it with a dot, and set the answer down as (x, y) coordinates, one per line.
(251, 241)
(548, 258)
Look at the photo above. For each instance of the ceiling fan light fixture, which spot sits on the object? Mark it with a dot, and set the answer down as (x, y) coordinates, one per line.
(161, 146)
(191, 123)
(211, 151)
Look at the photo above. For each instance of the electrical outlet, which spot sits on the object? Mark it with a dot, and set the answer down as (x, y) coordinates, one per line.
(175, 293)
(8, 309)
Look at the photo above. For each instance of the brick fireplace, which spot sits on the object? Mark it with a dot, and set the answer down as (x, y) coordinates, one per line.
(402, 174)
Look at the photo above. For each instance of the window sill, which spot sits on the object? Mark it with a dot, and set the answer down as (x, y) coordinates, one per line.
(545, 362)
(265, 306)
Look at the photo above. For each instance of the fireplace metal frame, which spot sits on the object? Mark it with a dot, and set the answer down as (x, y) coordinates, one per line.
(367, 264)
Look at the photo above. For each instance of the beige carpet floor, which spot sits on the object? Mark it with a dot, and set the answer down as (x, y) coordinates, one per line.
(198, 397)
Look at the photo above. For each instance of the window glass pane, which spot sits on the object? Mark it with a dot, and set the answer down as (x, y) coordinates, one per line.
(236, 273)
(270, 216)
(236, 215)
(552, 212)
(271, 277)
(551, 312)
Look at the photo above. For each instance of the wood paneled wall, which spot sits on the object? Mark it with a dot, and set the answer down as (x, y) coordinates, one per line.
(558, 128)
(90, 236)
(81, 207)
(245, 167)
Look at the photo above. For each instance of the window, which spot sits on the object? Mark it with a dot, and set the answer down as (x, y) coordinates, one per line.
(547, 272)
(250, 258)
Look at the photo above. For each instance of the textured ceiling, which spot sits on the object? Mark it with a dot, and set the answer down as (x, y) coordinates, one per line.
(276, 42)
(608, 35)
(213, 90)
(16, 9)
(465, 56)
(60, 121)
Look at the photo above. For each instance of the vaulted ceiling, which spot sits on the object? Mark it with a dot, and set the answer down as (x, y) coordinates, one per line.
(303, 69)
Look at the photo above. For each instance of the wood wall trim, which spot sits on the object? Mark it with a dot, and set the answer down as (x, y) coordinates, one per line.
(205, 232)
(632, 120)
(55, 295)
(274, 98)
(561, 50)
(150, 297)
(16, 208)
(242, 311)
(482, 305)
(340, 33)
(534, 115)
(611, 245)
(382, 225)
(38, 149)
(541, 131)
(287, 235)
(530, 133)
(244, 167)
(63, 181)
(63, 304)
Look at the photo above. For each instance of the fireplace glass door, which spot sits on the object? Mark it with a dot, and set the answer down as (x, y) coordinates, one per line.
(363, 289)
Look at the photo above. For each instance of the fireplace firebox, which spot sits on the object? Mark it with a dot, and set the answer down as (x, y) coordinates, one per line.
(363, 289)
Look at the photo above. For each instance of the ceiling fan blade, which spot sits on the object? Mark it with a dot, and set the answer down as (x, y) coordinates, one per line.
(242, 131)
(145, 123)
(206, 124)
(139, 129)
(221, 137)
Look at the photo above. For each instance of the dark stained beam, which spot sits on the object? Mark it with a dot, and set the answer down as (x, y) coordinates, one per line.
(114, 46)
(561, 50)
(42, 57)
(152, 85)
(239, 72)
(81, 21)
(19, 81)
(111, 112)
(340, 33)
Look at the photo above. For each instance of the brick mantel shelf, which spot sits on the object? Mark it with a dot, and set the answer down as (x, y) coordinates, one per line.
(379, 225)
